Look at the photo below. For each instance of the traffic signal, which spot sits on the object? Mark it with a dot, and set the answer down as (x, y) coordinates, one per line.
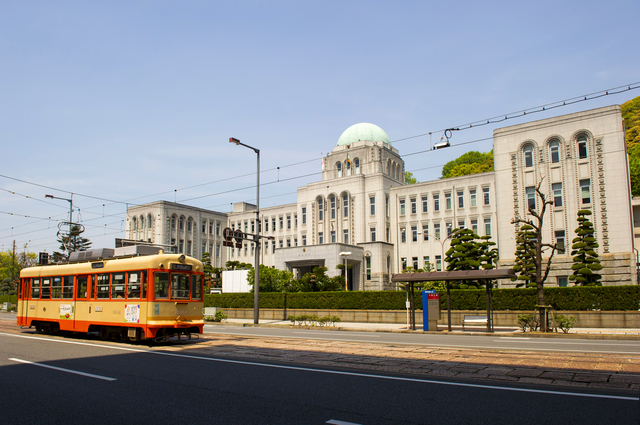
(43, 258)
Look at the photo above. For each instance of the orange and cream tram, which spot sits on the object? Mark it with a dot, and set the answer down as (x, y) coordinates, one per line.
(144, 297)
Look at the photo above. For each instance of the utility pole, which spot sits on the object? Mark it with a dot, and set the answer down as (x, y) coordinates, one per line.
(13, 271)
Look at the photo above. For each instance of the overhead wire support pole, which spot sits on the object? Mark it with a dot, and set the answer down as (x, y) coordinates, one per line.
(256, 237)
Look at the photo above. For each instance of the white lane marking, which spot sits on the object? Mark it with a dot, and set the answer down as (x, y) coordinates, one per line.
(336, 422)
(333, 372)
(316, 332)
(517, 338)
(90, 375)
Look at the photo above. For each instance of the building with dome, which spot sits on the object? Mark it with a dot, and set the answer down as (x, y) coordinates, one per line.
(363, 207)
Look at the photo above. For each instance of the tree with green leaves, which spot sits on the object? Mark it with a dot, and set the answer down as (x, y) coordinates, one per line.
(238, 265)
(70, 242)
(409, 179)
(468, 163)
(586, 263)
(271, 280)
(530, 248)
(318, 281)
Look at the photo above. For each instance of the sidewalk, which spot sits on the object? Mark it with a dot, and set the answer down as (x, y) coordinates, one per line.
(402, 327)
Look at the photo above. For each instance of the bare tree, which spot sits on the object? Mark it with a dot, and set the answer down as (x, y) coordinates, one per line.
(530, 265)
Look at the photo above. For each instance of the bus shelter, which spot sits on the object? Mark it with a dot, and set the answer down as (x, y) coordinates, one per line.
(460, 275)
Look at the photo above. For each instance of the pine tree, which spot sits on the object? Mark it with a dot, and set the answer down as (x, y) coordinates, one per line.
(463, 254)
(525, 265)
(586, 263)
(69, 243)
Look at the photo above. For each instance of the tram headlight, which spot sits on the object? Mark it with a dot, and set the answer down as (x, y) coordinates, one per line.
(181, 258)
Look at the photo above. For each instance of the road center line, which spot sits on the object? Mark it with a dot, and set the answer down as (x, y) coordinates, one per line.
(335, 372)
(104, 378)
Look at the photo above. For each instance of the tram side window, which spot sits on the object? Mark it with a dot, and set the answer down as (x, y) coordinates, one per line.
(67, 287)
(117, 285)
(196, 287)
(180, 286)
(161, 285)
(46, 288)
(81, 290)
(134, 283)
(35, 289)
(102, 286)
(56, 287)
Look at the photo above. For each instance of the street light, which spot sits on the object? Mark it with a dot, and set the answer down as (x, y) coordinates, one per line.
(345, 255)
(256, 286)
(442, 241)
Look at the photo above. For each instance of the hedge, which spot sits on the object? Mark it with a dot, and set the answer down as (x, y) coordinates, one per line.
(606, 298)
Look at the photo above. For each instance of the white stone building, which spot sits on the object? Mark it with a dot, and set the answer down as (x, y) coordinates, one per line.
(363, 206)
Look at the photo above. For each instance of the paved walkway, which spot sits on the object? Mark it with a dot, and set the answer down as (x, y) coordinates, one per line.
(555, 369)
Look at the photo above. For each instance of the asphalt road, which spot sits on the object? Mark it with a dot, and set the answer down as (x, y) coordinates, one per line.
(601, 346)
(47, 380)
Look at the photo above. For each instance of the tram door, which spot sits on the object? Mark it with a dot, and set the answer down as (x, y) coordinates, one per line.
(83, 294)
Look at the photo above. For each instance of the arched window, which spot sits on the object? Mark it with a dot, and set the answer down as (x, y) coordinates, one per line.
(320, 209)
(356, 162)
(554, 151)
(388, 167)
(348, 167)
(528, 156)
(141, 222)
(339, 169)
(149, 221)
(582, 147)
(332, 202)
(345, 205)
(134, 223)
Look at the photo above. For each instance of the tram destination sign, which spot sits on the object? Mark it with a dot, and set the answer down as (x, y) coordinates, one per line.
(183, 267)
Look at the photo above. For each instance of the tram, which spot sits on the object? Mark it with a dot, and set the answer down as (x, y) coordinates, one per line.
(138, 298)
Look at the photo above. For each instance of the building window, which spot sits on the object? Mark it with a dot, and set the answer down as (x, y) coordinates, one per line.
(560, 241)
(320, 238)
(436, 202)
(460, 199)
(402, 208)
(339, 169)
(474, 226)
(181, 224)
(582, 147)
(346, 236)
(528, 156)
(304, 240)
(531, 197)
(288, 243)
(273, 247)
(368, 267)
(426, 263)
(204, 227)
(253, 226)
(386, 204)
(388, 234)
(217, 228)
(485, 195)
(585, 186)
(472, 197)
(332, 203)
(447, 201)
(304, 215)
(372, 230)
(425, 232)
(273, 223)
(320, 210)
(557, 194)
(438, 263)
(295, 221)
(173, 222)
(333, 236)
(554, 147)
(246, 228)
(372, 203)
(357, 164)
(487, 226)
(245, 248)
(403, 261)
(562, 281)
(436, 231)
(288, 222)
(414, 233)
(414, 206)
(415, 263)
(425, 204)
(403, 235)
(449, 229)
(281, 221)
(345, 205)
(281, 243)
(461, 223)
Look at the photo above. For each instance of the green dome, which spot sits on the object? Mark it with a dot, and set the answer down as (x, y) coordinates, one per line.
(361, 132)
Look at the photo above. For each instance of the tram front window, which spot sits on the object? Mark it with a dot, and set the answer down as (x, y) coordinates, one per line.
(161, 285)
(180, 286)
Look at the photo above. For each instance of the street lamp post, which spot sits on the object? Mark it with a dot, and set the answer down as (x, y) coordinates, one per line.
(256, 237)
(345, 255)
(442, 241)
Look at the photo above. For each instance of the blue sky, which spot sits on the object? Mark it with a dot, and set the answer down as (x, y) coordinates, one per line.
(127, 102)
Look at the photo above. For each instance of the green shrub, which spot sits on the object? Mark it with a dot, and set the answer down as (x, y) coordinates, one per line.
(565, 323)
